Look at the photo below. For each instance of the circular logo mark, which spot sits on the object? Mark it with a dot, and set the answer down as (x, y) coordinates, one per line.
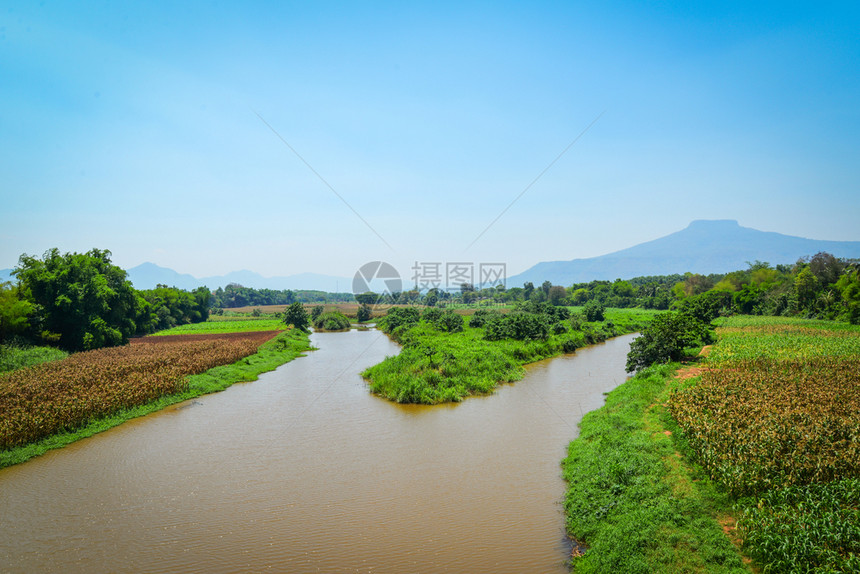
(376, 277)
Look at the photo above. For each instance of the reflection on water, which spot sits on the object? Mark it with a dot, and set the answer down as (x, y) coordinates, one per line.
(305, 471)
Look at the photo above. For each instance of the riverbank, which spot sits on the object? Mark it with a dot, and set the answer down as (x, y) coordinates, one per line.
(270, 355)
(750, 449)
(633, 500)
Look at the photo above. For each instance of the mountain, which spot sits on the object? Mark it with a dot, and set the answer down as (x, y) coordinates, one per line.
(705, 246)
(148, 275)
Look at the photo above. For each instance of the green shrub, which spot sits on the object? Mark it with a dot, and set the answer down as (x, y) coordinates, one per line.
(594, 311)
(332, 321)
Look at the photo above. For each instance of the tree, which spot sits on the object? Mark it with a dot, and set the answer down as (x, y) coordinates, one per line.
(826, 268)
(528, 287)
(13, 312)
(368, 298)
(665, 339)
(557, 295)
(365, 313)
(805, 285)
(296, 316)
(82, 298)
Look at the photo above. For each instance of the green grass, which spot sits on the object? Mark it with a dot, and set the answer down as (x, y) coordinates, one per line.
(14, 357)
(632, 501)
(229, 325)
(282, 349)
(435, 366)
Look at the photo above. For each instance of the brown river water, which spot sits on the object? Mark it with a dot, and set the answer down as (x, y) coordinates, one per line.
(305, 471)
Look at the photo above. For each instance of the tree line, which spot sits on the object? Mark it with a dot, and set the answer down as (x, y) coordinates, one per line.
(235, 295)
(821, 286)
(81, 301)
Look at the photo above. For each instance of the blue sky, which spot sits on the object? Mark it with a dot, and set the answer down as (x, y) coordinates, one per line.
(136, 127)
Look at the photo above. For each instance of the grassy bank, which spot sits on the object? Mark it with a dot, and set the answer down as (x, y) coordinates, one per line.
(270, 355)
(764, 433)
(218, 325)
(448, 357)
(634, 503)
(19, 356)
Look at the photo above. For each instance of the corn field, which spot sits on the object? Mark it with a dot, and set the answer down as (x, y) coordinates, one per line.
(45, 399)
(779, 405)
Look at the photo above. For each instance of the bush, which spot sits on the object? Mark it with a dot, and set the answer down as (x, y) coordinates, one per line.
(665, 339)
(517, 325)
(431, 315)
(332, 321)
(481, 316)
(450, 322)
(400, 317)
(594, 311)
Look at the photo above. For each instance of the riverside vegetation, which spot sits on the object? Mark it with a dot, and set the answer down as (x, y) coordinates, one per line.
(447, 357)
(764, 434)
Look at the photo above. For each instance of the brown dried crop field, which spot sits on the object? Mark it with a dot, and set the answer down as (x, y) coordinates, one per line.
(778, 405)
(42, 400)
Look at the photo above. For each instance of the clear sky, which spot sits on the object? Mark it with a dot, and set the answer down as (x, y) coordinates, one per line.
(136, 127)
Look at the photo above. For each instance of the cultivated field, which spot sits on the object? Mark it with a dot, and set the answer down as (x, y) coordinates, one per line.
(775, 417)
(42, 400)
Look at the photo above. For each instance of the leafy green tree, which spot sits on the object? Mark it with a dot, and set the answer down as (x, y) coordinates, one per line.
(368, 298)
(296, 316)
(316, 311)
(364, 313)
(82, 298)
(826, 268)
(665, 340)
(707, 306)
(805, 286)
(557, 295)
(528, 288)
(13, 312)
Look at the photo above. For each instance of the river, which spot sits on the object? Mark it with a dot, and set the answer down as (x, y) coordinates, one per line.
(305, 471)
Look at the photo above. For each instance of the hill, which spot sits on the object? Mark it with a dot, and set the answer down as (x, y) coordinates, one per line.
(705, 246)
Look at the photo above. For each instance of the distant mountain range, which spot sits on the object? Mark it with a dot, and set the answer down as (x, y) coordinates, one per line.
(148, 275)
(705, 246)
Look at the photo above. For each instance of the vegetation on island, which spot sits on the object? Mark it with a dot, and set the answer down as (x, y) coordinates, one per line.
(447, 357)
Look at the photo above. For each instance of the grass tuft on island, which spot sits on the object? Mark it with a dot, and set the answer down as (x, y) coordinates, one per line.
(447, 357)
